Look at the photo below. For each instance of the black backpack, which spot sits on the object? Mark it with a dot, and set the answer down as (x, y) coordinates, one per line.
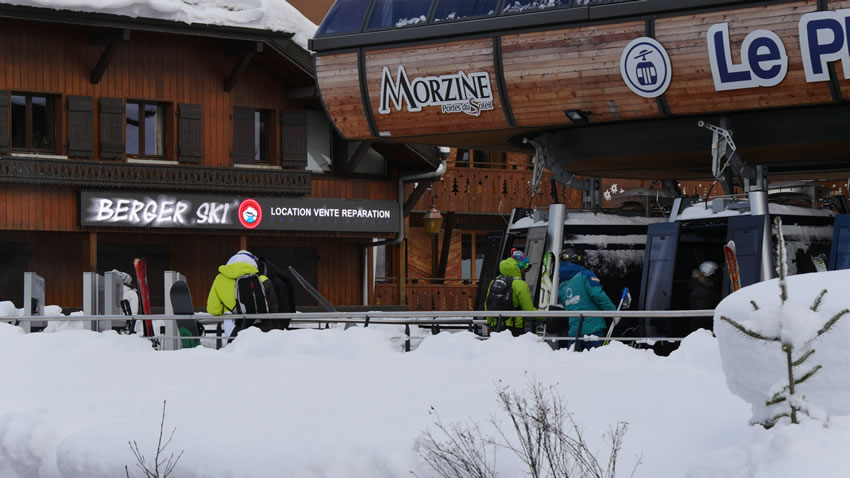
(501, 294)
(250, 295)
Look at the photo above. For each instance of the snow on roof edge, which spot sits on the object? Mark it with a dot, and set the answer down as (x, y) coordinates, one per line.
(267, 15)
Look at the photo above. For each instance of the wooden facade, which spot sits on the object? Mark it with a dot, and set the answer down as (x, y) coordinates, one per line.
(538, 73)
(200, 77)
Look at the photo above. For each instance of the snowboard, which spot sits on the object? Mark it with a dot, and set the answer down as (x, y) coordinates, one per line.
(625, 302)
(312, 290)
(141, 266)
(546, 274)
(732, 265)
(181, 303)
(820, 262)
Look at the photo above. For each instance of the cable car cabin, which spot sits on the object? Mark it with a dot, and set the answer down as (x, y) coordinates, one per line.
(603, 85)
(612, 242)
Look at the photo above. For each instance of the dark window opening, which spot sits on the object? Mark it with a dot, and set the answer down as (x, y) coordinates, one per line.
(346, 16)
(145, 128)
(398, 14)
(448, 10)
(33, 123)
(251, 135)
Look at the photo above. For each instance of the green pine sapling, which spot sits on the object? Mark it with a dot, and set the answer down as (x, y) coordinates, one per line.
(794, 366)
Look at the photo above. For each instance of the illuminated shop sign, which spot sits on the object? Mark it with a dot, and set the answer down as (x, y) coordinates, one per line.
(196, 211)
(457, 93)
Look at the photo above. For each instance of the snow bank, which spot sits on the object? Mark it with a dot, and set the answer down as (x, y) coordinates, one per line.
(755, 368)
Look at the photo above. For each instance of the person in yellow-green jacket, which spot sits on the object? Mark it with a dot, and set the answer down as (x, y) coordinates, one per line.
(517, 297)
(222, 296)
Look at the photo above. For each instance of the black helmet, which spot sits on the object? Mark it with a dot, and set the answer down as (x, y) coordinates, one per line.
(572, 255)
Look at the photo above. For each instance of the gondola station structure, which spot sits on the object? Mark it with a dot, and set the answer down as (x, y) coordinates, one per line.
(749, 95)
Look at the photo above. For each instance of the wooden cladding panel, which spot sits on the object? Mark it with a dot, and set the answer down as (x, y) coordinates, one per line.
(692, 89)
(469, 56)
(37, 208)
(839, 68)
(149, 66)
(330, 187)
(548, 72)
(339, 83)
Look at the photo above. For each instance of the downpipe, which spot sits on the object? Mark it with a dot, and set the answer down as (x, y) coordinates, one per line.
(436, 174)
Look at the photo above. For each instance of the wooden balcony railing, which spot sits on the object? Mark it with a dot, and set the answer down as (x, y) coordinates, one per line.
(451, 295)
(485, 190)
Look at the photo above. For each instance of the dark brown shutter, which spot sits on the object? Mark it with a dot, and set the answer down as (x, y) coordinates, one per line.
(111, 128)
(243, 135)
(4, 122)
(189, 147)
(294, 140)
(80, 126)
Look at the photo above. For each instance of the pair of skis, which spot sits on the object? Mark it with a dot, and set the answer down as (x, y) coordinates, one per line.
(141, 268)
(732, 265)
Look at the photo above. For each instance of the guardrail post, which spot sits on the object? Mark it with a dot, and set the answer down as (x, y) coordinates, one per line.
(407, 340)
(92, 294)
(33, 300)
(113, 294)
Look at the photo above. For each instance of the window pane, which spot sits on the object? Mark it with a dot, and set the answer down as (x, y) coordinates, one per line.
(42, 122)
(346, 16)
(19, 121)
(154, 116)
(398, 13)
(457, 9)
(521, 6)
(466, 256)
(260, 142)
(131, 114)
(318, 143)
(480, 249)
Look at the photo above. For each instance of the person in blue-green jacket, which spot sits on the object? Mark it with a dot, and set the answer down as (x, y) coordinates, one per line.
(580, 289)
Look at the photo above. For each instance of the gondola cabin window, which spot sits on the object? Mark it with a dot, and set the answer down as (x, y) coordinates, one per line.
(33, 124)
(398, 14)
(524, 6)
(448, 10)
(346, 16)
(145, 128)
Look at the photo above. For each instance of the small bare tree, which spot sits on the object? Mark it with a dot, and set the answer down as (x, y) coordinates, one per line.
(543, 435)
(160, 461)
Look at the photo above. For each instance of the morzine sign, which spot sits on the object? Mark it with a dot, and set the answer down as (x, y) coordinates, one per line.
(197, 211)
(455, 93)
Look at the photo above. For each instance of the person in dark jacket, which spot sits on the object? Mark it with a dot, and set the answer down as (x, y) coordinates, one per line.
(580, 289)
(704, 286)
(515, 266)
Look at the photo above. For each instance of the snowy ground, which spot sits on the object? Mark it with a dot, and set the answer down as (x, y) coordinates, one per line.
(350, 403)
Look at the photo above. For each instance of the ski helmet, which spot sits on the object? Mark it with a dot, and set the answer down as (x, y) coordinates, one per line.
(572, 255)
(708, 268)
(521, 259)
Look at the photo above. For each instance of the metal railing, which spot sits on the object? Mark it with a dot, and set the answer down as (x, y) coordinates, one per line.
(436, 320)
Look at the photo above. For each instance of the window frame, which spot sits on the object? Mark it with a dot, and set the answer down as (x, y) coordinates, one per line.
(53, 122)
(140, 104)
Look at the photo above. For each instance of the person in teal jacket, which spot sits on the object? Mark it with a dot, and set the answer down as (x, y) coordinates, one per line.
(580, 289)
(515, 266)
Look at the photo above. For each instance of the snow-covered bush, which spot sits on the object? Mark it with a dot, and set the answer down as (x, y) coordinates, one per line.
(783, 347)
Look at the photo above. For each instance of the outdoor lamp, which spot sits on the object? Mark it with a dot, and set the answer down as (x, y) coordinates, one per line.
(577, 116)
(433, 220)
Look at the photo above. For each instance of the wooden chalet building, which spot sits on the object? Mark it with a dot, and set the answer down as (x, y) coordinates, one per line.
(125, 137)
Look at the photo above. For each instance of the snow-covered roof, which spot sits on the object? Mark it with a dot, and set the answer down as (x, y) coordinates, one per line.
(703, 210)
(271, 15)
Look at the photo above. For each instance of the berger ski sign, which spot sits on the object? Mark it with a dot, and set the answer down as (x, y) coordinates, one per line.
(456, 93)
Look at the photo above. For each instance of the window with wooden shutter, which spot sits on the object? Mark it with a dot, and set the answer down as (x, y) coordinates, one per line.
(80, 127)
(111, 128)
(189, 146)
(4, 122)
(293, 153)
(250, 136)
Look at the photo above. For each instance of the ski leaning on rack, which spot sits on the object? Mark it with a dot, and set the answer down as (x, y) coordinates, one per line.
(625, 302)
(141, 266)
(732, 265)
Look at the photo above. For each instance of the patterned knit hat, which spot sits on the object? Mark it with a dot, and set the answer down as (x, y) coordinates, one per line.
(521, 259)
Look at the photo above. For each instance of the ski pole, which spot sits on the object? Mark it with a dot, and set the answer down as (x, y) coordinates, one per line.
(616, 320)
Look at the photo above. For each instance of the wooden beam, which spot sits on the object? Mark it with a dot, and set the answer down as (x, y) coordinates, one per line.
(233, 77)
(106, 57)
(447, 242)
(415, 196)
(92, 252)
(357, 157)
(302, 93)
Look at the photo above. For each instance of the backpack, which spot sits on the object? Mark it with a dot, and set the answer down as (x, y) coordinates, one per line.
(250, 295)
(501, 294)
